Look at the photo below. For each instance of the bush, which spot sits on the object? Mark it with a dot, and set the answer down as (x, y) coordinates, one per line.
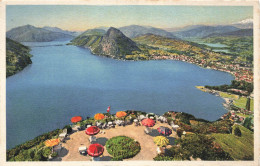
(179, 132)
(54, 154)
(47, 152)
(21, 150)
(122, 147)
(203, 147)
(69, 129)
(161, 157)
(237, 132)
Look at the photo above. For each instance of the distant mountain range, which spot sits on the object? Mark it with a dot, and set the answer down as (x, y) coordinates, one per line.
(133, 31)
(239, 33)
(55, 29)
(113, 43)
(244, 24)
(203, 31)
(29, 33)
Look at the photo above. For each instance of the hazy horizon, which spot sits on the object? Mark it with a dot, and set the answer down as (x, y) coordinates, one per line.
(81, 18)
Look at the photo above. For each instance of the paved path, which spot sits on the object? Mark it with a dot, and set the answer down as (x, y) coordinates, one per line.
(148, 148)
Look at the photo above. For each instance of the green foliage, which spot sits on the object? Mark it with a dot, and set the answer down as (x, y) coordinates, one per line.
(25, 148)
(203, 147)
(47, 151)
(184, 117)
(17, 57)
(179, 132)
(248, 104)
(122, 147)
(162, 157)
(239, 148)
(247, 123)
(69, 129)
(241, 85)
(240, 47)
(54, 154)
(237, 132)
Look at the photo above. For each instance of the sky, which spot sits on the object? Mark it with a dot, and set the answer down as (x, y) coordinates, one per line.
(80, 18)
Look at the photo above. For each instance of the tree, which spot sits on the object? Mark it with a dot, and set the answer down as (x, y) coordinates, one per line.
(203, 147)
(248, 103)
(237, 132)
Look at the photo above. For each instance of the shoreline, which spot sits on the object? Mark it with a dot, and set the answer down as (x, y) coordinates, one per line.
(228, 104)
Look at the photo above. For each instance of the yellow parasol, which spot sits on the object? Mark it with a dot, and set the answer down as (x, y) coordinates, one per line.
(161, 141)
(52, 142)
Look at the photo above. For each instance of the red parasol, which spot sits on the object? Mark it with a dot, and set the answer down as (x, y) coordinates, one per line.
(76, 119)
(164, 130)
(93, 130)
(95, 150)
(148, 122)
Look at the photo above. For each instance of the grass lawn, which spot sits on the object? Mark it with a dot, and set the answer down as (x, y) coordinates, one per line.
(238, 101)
(226, 95)
(241, 103)
(238, 147)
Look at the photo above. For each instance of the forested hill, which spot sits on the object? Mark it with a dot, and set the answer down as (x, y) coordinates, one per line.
(17, 57)
(113, 43)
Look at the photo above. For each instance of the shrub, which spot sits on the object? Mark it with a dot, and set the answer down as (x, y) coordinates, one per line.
(69, 129)
(54, 154)
(122, 147)
(161, 157)
(22, 150)
(203, 147)
(237, 132)
(179, 132)
(46, 152)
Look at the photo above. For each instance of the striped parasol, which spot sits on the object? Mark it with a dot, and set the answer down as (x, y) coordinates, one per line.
(164, 130)
(161, 141)
(93, 130)
(52, 142)
(148, 122)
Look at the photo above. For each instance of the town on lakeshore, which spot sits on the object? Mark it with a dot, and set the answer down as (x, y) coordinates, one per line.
(127, 134)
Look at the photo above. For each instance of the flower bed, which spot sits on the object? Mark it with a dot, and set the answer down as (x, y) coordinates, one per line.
(122, 147)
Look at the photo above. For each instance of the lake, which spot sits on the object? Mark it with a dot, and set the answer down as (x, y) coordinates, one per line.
(218, 47)
(65, 81)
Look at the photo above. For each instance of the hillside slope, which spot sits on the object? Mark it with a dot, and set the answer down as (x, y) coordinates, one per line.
(113, 43)
(29, 33)
(17, 57)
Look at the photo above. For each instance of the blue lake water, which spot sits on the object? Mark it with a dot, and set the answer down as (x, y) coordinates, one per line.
(65, 81)
(218, 47)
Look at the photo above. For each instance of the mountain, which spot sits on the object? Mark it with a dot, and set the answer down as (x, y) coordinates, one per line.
(185, 28)
(238, 33)
(55, 29)
(103, 28)
(89, 39)
(113, 43)
(133, 31)
(29, 33)
(93, 32)
(244, 24)
(203, 31)
(17, 57)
